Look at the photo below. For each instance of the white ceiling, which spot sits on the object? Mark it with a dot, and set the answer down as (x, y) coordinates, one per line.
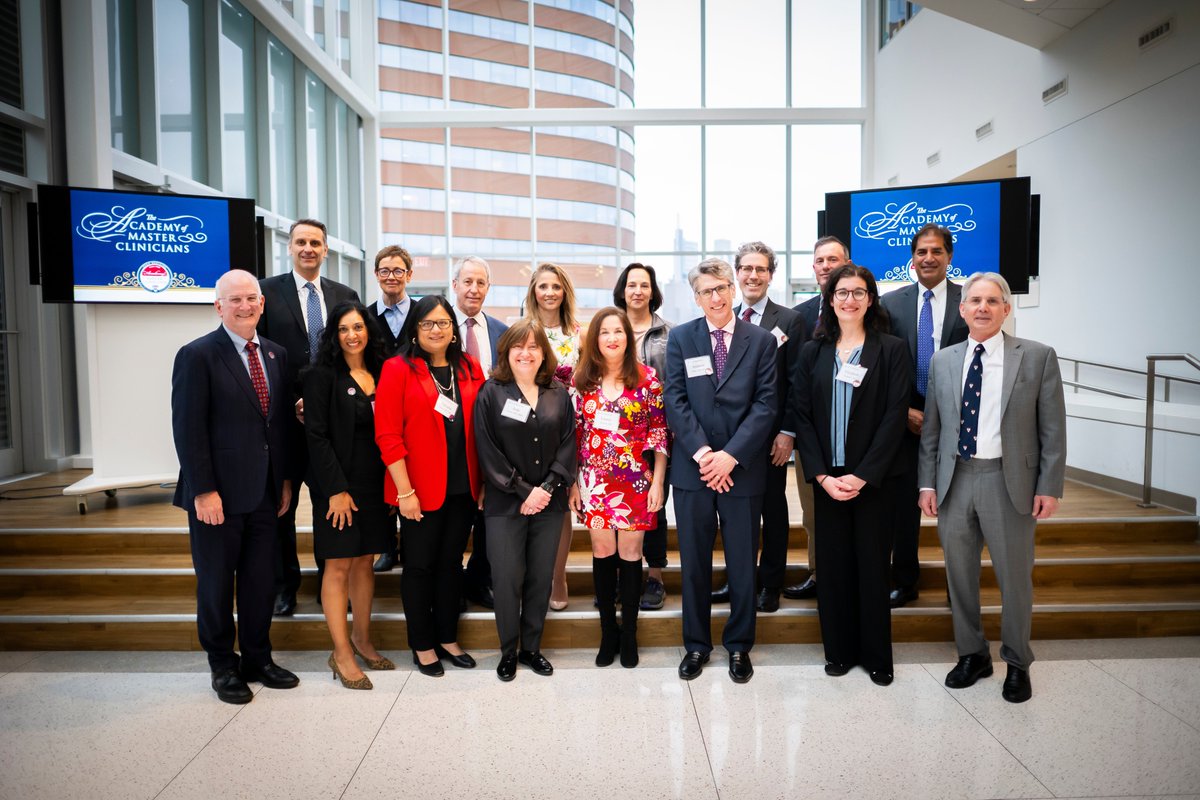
(1036, 23)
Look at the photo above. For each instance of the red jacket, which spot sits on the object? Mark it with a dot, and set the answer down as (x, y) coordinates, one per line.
(407, 425)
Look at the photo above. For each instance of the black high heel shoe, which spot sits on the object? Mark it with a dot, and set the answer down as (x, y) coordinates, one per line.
(433, 670)
(462, 662)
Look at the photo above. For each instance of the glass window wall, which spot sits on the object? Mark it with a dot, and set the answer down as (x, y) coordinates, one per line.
(179, 64)
(239, 107)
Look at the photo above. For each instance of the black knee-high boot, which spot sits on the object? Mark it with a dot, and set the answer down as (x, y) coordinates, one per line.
(604, 577)
(631, 596)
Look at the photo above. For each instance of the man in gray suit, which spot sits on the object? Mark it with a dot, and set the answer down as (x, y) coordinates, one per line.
(993, 444)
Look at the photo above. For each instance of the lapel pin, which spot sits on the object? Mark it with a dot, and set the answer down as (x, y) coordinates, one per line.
(350, 391)
(270, 354)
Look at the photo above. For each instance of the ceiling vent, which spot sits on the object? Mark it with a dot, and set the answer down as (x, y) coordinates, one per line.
(893, 181)
(1054, 92)
(934, 159)
(983, 131)
(1155, 35)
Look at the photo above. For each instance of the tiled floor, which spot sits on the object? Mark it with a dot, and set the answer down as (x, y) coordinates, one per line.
(1109, 718)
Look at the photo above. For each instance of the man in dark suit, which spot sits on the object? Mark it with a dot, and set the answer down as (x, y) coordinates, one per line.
(829, 253)
(393, 270)
(754, 265)
(480, 335)
(720, 403)
(924, 314)
(229, 400)
(297, 304)
(993, 455)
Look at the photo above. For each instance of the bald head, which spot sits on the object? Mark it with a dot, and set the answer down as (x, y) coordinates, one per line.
(239, 302)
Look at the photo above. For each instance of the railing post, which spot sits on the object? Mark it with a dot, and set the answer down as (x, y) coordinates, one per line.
(1147, 467)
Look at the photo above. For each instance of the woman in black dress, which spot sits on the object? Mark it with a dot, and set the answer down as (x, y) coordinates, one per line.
(345, 479)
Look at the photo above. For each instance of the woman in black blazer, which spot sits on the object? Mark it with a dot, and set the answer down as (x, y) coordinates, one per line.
(851, 397)
(345, 480)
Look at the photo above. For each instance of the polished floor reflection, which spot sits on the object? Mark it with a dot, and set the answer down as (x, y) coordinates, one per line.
(1108, 718)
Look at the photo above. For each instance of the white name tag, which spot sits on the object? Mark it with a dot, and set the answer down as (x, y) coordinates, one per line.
(780, 336)
(700, 365)
(445, 406)
(608, 420)
(514, 409)
(852, 374)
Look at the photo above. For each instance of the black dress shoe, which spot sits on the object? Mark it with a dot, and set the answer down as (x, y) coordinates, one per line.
(881, 678)
(385, 563)
(802, 591)
(506, 670)
(285, 605)
(462, 662)
(433, 670)
(721, 595)
(969, 669)
(535, 661)
(836, 670)
(692, 665)
(1017, 688)
(740, 668)
(230, 687)
(768, 601)
(481, 595)
(902, 596)
(270, 675)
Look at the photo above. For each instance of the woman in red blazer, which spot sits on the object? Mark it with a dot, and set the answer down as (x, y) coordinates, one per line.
(424, 427)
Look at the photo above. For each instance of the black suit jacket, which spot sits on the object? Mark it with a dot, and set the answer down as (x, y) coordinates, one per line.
(329, 411)
(901, 306)
(787, 356)
(878, 409)
(391, 345)
(224, 441)
(809, 311)
(283, 322)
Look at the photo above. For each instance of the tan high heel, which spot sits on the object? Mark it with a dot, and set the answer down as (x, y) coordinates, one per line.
(362, 683)
(381, 663)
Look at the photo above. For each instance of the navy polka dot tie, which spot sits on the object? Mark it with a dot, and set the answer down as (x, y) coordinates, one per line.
(968, 426)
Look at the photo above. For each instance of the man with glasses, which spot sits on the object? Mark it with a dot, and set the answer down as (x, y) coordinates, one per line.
(297, 304)
(720, 402)
(924, 314)
(754, 265)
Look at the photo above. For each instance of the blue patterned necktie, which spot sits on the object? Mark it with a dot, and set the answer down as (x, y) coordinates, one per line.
(924, 342)
(719, 353)
(313, 312)
(968, 426)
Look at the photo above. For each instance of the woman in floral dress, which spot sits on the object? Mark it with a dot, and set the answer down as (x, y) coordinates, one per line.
(551, 302)
(619, 491)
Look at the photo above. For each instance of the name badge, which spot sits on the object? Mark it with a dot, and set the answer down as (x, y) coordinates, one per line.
(700, 365)
(852, 374)
(445, 406)
(608, 420)
(514, 409)
(780, 336)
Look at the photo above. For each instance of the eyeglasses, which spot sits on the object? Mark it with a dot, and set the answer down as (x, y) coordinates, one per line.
(844, 294)
(390, 273)
(723, 289)
(755, 270)
(428, 324)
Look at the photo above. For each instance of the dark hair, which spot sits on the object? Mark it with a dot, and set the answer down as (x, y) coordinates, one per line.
(656, 296)
(516, 334)
(824, 240)
(933, 227)
(329, 350)
(876, 319)
(755, 247)
(408, 334)
(393, 250)
(315, 223)
(589, 371)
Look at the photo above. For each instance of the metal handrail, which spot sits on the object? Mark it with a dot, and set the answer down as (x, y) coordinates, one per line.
(1075, 362)
(1151, 361)
(1099, 390)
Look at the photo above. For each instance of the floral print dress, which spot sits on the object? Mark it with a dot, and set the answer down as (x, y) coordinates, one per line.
(566, 350)
(616, 467)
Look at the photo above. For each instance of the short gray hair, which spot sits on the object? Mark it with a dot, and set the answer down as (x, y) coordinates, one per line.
(462, 262)
(994, 277)
(716, 267)
(755, 247)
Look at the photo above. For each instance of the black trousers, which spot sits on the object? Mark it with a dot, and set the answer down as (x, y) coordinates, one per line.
(479, 569)
(432, 580)
(852, 594)
(523, 552)
(905, 517)
(772, 560)
(241, 552)
(654, 542)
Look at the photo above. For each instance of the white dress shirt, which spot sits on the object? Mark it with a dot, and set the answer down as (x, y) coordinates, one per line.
(302, 293)
(481, 338)
(988, 443)
(239, 344)
(938, 307)
(757, 309)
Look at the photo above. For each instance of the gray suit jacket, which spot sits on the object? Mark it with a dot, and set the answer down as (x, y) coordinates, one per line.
(1033, 421)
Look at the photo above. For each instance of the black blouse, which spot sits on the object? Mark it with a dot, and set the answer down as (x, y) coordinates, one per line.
(517, 456)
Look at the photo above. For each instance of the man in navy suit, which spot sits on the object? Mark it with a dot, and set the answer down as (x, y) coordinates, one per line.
(480, 334)
(720, 403)
(924, 314)
(229, 406)
(296, 305)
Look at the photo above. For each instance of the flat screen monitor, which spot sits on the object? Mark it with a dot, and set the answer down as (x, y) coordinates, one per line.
(989, 220)
(104, 246)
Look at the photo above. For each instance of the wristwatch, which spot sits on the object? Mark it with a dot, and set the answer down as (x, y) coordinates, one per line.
(549, 485)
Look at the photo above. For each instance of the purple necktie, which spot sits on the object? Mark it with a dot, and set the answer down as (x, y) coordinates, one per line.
(472, 339)
(719, 353)
(747, 314)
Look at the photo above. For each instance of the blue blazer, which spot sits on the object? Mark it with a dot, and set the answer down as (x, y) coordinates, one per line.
(736, 415)
(496, 329)
(224, 441)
